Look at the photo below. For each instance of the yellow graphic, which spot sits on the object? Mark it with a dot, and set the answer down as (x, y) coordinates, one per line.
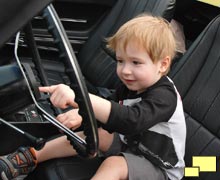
(212, 2)
(205, 163)
(201, 164)
(191, 172)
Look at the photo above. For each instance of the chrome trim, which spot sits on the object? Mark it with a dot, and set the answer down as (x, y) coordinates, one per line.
(67, 20)
(44, 112)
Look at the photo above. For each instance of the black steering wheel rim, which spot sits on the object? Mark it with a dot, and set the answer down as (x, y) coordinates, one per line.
(77, 84)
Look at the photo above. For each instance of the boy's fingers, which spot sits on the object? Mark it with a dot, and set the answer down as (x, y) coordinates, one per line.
(44, 89)
(51, 89)
(48, 89)
(74, 104)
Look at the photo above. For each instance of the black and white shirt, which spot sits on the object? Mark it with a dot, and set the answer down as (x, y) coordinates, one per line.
(154, 123)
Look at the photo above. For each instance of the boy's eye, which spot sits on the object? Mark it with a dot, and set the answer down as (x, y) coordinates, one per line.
(119, 61)
(136, 62)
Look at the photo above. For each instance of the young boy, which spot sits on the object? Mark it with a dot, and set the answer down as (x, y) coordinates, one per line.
(143, 127)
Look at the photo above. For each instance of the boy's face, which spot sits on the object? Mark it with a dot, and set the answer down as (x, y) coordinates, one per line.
(136, 69)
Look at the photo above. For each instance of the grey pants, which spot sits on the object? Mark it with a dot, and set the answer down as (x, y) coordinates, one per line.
(139, 168)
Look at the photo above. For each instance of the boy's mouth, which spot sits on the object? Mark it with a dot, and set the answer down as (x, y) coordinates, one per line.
(129, 81)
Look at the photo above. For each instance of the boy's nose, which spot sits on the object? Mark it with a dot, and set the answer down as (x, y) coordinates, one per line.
(126, 69)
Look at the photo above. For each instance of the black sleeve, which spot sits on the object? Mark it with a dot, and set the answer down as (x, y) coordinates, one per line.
(158, 106)
(117, 94)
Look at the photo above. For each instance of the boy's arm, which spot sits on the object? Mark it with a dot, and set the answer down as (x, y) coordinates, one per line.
(62, 96)
(101, 108)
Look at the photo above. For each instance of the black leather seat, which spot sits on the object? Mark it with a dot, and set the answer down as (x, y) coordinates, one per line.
(197, 79)
(96, 62)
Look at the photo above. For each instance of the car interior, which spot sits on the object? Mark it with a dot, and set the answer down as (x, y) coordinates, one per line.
(195, 72)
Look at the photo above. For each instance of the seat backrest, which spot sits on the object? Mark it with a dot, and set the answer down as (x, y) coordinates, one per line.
(197, 79)
(96, 62)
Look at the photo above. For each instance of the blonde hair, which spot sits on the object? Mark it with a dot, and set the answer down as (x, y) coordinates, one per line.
(153, 33)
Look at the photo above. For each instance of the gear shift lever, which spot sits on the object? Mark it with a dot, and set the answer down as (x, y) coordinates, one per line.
(37, 143)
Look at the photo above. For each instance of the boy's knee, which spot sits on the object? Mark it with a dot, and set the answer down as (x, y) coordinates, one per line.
(117, 165)
(114, 160)
(111, 162)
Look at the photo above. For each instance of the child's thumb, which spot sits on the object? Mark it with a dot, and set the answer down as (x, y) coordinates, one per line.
(74, 104)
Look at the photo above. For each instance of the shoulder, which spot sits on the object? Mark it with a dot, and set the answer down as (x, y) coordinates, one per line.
(164, 88)
(161, 96)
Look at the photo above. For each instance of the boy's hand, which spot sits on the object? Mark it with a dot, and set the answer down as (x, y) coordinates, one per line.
(71, 119)
(61, 95)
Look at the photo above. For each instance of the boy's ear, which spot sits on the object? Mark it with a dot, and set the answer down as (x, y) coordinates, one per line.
(165, 64)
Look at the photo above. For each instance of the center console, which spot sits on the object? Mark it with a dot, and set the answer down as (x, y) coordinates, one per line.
(18, 109)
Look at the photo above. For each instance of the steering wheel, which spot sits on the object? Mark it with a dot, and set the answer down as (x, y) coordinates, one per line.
(89, 147)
